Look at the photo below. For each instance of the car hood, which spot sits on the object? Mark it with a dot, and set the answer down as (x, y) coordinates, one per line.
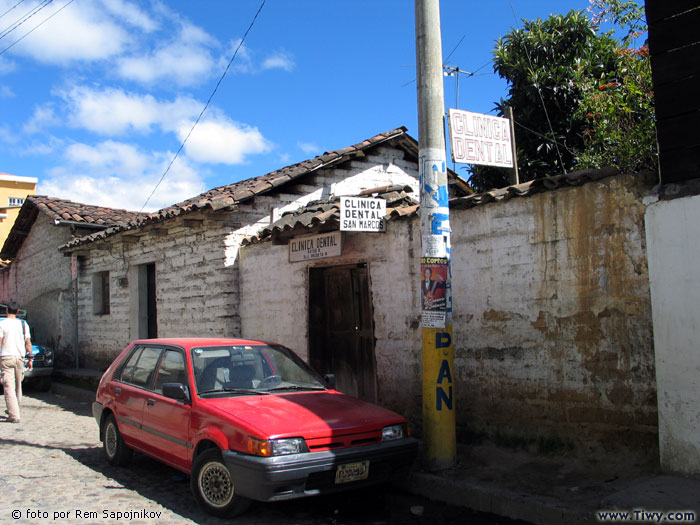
(307, 414)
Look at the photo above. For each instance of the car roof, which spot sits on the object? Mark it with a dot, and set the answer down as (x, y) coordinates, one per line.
(190, 342)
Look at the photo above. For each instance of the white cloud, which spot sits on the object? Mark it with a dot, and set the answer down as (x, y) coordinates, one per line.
(185, 61)
(131, 14)
(6, 92)
(81, 31)
(308, 147)
(280, 60)
(223, 141)
(120, 175)
(42, 118)
(114, 111)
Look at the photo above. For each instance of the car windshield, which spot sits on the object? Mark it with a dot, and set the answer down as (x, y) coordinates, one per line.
(251, 369)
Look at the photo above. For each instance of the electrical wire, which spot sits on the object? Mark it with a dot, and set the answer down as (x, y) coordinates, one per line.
(539, 92)
(22, 19)
(11, 8)
(182, 145)
(35, 28)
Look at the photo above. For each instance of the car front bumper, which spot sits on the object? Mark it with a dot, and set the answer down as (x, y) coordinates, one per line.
(309, 474)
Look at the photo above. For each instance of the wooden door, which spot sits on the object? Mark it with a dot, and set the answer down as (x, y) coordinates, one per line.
(341, 332)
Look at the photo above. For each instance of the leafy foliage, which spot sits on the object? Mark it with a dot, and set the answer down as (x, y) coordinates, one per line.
(564, 120)
(620, 114)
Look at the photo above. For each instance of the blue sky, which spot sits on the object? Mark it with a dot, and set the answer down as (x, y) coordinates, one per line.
(96, 101)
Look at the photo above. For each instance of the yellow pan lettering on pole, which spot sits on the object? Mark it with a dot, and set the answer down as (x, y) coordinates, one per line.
(438, 398)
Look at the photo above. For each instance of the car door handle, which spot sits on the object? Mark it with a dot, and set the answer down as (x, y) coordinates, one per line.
(117, 391)
(151, 402)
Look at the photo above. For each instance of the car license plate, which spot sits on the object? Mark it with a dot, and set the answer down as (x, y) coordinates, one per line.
(352, 472)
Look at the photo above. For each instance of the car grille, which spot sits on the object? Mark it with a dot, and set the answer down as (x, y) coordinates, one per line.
(346, 441)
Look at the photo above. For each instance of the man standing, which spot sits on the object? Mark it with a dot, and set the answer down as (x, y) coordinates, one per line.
(15, 341)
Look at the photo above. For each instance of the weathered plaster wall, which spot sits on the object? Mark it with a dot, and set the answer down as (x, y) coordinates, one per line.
(39, 280)
(553, 338)
(552, 325)
(673, 242)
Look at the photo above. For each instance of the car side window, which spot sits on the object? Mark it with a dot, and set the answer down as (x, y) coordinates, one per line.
(172, 370)
(141, 366)
(128, 368)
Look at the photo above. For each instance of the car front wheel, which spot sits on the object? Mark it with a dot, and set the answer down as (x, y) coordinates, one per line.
(213, 486)
(116, 451)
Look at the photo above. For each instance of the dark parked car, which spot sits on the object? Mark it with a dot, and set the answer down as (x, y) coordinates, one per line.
(40, 374)
(247, 420)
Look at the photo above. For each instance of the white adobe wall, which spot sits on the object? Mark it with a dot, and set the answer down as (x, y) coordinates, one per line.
(673, 247)
(39, 279)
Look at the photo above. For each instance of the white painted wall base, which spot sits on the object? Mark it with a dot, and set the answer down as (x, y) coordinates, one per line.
(673, 248)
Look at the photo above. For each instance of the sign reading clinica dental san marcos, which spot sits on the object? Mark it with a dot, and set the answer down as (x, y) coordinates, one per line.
(316, 247)
(362, 214)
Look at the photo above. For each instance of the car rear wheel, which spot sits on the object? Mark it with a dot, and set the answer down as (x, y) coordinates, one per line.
(116, 451)
(214, 487)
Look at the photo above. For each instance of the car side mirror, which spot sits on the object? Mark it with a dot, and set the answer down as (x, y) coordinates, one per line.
(330, 379)
(176, 391)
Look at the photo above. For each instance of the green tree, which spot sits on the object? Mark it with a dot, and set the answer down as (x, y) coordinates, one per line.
(554, 69)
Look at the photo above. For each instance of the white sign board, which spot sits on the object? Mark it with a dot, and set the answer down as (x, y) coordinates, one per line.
(362, 214)
(316, 247)
(476, 138)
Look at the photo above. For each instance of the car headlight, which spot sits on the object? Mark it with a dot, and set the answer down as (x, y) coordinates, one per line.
(48, 357)
(276, 447)
(394, 432)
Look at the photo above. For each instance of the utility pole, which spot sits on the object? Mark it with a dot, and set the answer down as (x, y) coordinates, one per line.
(439, 433)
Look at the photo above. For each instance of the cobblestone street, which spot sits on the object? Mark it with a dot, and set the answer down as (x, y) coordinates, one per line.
(54, 471)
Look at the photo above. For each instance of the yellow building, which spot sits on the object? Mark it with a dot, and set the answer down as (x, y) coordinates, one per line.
(13, 191)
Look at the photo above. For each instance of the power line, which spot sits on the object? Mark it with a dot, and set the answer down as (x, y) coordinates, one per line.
(22, 19)
(11, 8)
(35, 28)
(182, 145)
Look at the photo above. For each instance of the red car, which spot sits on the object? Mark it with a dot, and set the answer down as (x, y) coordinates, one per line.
(247, 420)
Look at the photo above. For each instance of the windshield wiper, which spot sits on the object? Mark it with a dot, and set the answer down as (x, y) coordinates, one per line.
(295, 387)
(235, 391)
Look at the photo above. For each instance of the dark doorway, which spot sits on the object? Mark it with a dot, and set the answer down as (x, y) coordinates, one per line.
(151, 311)
(341, 331)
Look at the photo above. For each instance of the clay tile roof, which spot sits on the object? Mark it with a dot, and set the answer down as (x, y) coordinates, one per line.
(249, 188)
(527, 189)
(326, 213)
(61, 211)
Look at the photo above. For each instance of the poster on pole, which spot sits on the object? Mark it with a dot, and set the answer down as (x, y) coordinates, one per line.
(476, 138)
(433, 295)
